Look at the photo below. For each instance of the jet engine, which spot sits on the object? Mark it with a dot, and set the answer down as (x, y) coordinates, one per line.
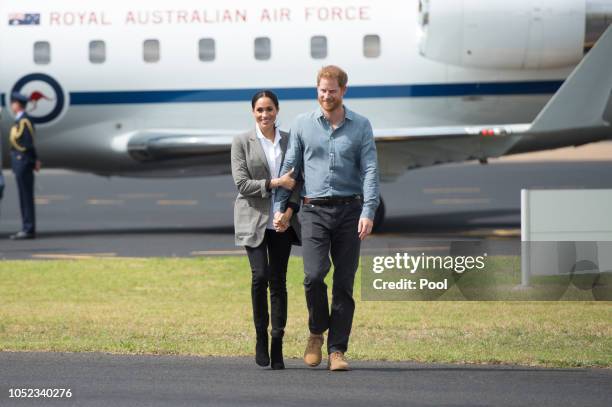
(518, 34)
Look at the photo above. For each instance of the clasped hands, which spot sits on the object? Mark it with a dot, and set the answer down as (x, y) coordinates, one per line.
(281, 220)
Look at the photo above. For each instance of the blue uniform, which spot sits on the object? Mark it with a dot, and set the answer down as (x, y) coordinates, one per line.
(23, 160)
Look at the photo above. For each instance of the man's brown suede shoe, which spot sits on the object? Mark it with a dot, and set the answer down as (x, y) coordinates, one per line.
(337, 362)
(312, 354)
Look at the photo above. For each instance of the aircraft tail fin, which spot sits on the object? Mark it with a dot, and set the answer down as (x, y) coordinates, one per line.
(585, 98)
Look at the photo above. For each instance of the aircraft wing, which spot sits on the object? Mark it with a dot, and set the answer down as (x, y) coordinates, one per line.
(398, 149)
(403, 149)
(579, 113)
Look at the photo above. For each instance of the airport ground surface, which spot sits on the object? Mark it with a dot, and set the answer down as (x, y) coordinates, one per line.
(83, 214)
(97, 379)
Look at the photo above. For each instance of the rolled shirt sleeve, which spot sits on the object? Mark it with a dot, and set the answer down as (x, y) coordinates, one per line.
(293, 159)
(369, 173)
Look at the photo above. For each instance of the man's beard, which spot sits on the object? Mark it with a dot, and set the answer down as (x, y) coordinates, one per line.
(330, 105)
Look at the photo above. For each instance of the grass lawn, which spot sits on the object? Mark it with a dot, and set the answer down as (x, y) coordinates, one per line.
(202, 306)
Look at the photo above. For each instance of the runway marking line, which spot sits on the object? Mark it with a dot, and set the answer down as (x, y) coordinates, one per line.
(143, 195)
(73, 256)
(54, 197)
(461, 201)
(47, 199)
(105, 201)
(452, 190)
(180, 202)
(506, 232)
(493, 233)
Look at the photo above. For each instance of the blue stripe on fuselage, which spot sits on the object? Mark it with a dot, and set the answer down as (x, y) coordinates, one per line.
(355, 92)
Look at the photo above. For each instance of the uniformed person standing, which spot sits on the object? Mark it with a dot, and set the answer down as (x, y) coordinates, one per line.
(24, 162)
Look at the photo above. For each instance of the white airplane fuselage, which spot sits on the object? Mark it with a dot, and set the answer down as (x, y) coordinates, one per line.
(86, 119)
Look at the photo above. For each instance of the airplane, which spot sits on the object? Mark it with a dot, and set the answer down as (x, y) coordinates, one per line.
(158, 89)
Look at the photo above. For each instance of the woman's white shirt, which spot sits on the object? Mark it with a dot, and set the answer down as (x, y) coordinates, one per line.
(274, 155)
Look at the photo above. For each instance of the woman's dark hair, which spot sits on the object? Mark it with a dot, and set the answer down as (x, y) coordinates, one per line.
(264, 94)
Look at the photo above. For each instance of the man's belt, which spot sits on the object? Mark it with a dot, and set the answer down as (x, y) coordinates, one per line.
(332, 200)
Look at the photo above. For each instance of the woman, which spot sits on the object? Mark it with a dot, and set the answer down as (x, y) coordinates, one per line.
(256, 160)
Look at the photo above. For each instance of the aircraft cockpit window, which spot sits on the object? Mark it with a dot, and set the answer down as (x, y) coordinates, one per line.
(371, 46)
(97, 52)
(42, 53)
(263, 48)
(150, 51)
(318, 47)
(206, 49)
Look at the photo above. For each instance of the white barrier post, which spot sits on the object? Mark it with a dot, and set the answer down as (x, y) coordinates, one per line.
(525, 249)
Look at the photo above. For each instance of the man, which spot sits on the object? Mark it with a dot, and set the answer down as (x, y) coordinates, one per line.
(334, 149)
(24, 161)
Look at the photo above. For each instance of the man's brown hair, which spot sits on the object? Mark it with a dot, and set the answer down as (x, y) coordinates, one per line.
(333, 72)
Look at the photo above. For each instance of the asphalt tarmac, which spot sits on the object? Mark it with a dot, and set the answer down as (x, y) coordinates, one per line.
(96, 379)
(81, 215)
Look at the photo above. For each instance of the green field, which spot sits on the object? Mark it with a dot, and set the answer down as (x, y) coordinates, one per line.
(201, 306)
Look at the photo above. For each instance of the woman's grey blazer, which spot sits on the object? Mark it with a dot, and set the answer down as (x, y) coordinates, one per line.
(251, 173)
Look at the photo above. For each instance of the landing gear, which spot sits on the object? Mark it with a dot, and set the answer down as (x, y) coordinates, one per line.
(379, 216)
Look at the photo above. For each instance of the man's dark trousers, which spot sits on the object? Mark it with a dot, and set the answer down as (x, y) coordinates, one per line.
(23, 168)
(330, 230)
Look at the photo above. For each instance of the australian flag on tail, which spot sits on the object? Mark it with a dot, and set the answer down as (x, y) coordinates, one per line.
(24, 19)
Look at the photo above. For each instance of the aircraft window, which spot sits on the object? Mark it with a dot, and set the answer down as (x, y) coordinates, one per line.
(206, 49)
(318, 47)
(263, 48)
(42, 52)
(150, 51)
(371, 46)
(97, 52)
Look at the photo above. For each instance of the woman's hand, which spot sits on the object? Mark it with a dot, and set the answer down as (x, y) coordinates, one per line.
(281, 220)
(286, 181)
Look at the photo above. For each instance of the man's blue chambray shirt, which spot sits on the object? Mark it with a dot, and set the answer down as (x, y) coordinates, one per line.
(339, 162)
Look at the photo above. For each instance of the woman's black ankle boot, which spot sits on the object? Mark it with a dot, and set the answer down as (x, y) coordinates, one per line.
(262, 357)
(276, 353)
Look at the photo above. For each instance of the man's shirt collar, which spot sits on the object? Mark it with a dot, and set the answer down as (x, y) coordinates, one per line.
(348, 113)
